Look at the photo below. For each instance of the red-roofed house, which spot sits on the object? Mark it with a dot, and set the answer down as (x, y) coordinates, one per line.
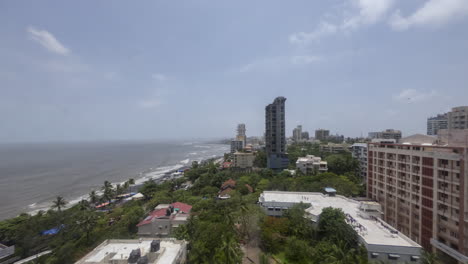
(227, 187)
(164, 219)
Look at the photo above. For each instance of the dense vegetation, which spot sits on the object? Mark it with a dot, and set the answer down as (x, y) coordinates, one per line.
(219, 231)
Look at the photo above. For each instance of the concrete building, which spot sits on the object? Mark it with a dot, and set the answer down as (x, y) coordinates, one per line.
(275, 134)
(310, 164)
(322, 134)
(382, 242)
(458, 118)
(421, 184)
(333, 148)
(386, 134)
(164, 220)
(236, 145)
(243, 160)
(436, 123)
(6, 251)
(241, 134)
(297, 133)
(305, 135)
(359, 152)
(136, 251)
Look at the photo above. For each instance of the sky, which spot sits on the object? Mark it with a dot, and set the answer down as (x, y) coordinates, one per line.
(138, 70)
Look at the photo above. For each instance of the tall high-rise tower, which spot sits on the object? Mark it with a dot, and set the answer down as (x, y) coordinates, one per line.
(241, 134)
(275, 134)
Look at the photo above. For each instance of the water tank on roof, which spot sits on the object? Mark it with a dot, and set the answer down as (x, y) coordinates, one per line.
(134, 256)
(143, 260)
(155, 245)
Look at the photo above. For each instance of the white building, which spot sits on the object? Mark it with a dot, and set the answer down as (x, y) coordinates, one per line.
(383, 242)
(311, 163)
(132, 251)
(243, 160)
(359, 152)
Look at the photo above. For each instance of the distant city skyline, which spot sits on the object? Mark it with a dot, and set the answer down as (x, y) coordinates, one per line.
(157, 70)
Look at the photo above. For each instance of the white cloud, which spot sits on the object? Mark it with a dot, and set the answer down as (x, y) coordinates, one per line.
(278, 63)
(150, 103)
(324, 29)
(432, 13)
(414, 96)
(363, 12)
(304, 59)
(48, 41)
(158, 76)
(369, 12)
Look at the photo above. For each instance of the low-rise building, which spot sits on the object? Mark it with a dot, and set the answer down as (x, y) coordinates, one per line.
(359, 152)
(6, 251)
(243, 160)
(164, 220)
(136, 251)
(229, 186)
(383, 242)
(333, 148)
(310, 164)
(386, 134)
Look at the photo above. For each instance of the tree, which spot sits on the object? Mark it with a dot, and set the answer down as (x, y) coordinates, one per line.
(108, 191)
(260, 159)
(430, 258)
(297, 250)
(59, 203)
(87, 223)
(83, 205)
(93, 197)
(342, 163)
(332, 226)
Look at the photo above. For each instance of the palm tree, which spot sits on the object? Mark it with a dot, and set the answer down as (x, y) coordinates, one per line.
(108, 191)
(87, 223)
(83, 204)
(93, 197)
(59, 203)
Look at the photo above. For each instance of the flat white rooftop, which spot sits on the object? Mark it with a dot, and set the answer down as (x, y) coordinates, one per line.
(374, 231)
(121, 248)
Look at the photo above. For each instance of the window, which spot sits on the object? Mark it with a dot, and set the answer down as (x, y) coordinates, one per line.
(393, 256)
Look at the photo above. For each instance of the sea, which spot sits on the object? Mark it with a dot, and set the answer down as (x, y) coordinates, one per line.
(33, 174)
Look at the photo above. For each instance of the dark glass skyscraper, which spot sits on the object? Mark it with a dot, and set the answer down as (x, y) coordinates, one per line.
(275, 134)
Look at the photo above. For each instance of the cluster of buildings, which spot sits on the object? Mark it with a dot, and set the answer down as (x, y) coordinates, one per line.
(311, 164)
(455, 119)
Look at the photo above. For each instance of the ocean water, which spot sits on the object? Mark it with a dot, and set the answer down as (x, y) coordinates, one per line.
(32, 175)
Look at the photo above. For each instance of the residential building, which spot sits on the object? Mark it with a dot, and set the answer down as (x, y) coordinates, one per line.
(236, 145)
(359, 152)
(322, 134)
(310, 164)
(383, 243)
(436, 123)
(336, 138)
(243, 160)
(164, 220)
(275, 134)
(241, 134)
(386, 134)
(333, 148)
(421, 184)
(305, 135)
(136, 251)
(458, 118)
(297, 133)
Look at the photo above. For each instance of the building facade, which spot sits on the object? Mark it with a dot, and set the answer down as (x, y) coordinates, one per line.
(458, 118)
(243, 160)
(165, 218)
(236, 145)
(333, 148)
(310, 164)
(383, 243)
(421, 185)
(359, 152)
(275, 134)
(434, 124)
(297, 133)
(241, 136)
(322, 134)
(386, 134)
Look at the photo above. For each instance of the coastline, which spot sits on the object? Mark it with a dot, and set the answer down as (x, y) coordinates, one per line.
(158, 175)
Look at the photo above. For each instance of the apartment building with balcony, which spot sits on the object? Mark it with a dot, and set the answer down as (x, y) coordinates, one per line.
(359, 152)
(420, 184)
(458, 118)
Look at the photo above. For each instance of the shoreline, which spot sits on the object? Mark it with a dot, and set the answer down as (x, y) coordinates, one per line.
(139, 182)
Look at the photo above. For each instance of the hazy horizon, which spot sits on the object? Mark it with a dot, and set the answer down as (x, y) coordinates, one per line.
(158, 70)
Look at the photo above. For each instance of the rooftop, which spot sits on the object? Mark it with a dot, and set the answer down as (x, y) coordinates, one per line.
(374, 231)
(161, 210)
(111, 251)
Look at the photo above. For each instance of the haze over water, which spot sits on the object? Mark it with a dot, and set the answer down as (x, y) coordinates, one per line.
(32, 175)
